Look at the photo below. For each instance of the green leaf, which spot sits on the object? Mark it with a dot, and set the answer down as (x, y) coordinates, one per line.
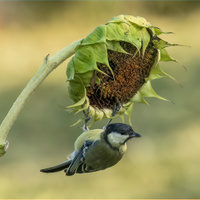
(115, 46)
(165, 56)
(83, 106)
(156, 73)
(77, 122)
(148, 91)
(160, 43)
(129, 111)
(76, 89)
(100, 54)
(117, 19)
(136, 36)
(97, 36)
(139, 21)
(86, 78)
(84, 60)
(70, 70)
(138, 98)
(145, 39)
(160, 72)
(78, 104)
(117, 32)
(158, 31)
(124, 32)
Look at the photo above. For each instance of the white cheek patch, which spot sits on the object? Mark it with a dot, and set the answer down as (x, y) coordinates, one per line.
(116, 139)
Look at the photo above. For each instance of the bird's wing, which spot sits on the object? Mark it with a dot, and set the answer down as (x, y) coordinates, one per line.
(91, 135)
(78, 159)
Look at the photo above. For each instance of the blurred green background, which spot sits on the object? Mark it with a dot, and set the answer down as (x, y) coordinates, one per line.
(164, 163)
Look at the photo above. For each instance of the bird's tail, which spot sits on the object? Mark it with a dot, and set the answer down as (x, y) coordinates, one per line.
(57, 168)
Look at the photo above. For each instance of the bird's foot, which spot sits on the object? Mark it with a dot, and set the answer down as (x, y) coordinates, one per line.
(116, 109)
(87, 119)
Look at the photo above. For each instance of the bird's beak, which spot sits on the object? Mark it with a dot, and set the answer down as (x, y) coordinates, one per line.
(134, 135)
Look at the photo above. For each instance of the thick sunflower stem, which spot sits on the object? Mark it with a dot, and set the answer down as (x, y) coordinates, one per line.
(49, 64)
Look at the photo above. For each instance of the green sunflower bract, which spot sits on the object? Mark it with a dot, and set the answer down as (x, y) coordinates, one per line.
(115, 64)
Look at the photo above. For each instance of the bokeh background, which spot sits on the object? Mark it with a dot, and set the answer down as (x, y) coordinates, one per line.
(164, 163)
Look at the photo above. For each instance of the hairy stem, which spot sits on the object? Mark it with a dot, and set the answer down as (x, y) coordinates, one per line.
(49, 64)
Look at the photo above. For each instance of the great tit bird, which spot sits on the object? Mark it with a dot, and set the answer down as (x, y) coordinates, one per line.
(96, 150)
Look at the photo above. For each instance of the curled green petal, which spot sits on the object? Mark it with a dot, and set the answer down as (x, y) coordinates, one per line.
(107, 113)
(99, 115)
(80, 120)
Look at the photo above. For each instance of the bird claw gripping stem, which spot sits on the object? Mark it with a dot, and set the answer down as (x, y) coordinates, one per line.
(87, 119)
(116, 109)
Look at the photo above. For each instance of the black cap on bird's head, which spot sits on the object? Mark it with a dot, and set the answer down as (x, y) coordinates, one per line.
(122, 129)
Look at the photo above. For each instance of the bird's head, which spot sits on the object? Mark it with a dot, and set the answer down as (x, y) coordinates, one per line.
(118, 134)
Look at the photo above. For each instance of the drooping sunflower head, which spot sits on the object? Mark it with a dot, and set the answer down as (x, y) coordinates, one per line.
(115, 65)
